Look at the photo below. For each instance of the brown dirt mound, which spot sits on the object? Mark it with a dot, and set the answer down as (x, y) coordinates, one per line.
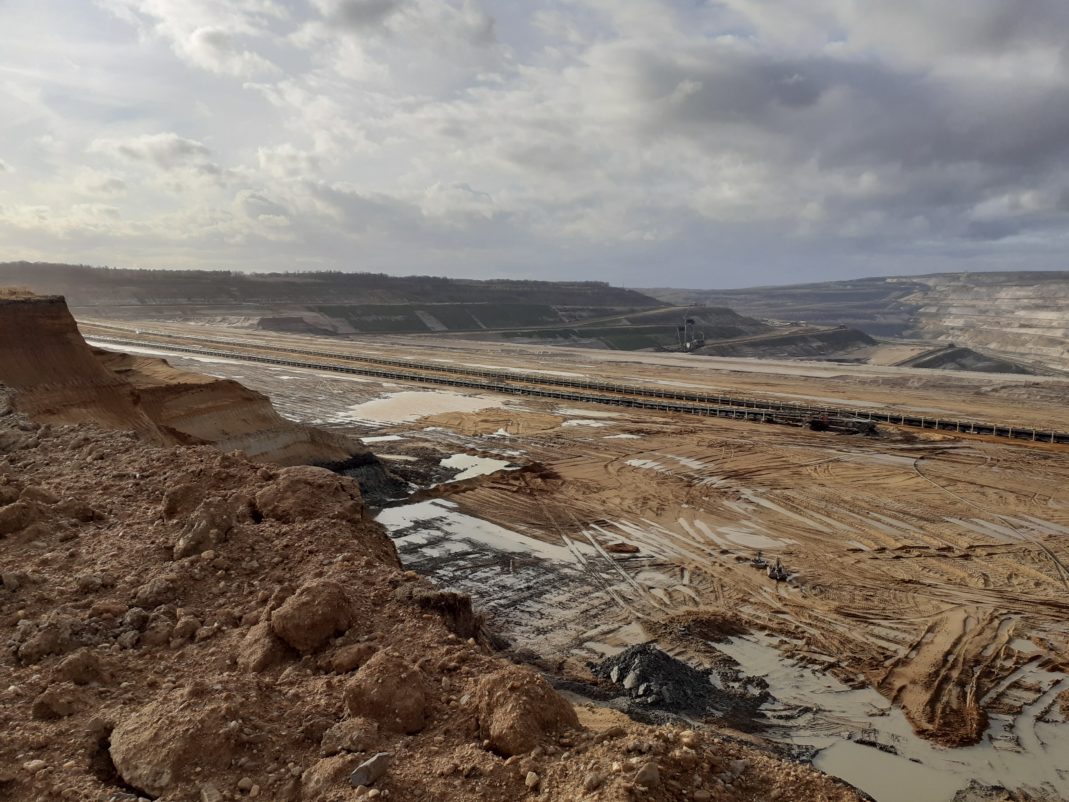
(517, 709)
(127, 671)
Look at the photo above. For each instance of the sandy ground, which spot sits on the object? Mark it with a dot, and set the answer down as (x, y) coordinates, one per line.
(928, 572)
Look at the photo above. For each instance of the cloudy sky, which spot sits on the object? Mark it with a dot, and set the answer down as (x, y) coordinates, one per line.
(646, 142)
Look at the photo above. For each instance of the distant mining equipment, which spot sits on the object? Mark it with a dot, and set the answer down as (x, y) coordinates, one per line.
(776, 572)
(689, 338)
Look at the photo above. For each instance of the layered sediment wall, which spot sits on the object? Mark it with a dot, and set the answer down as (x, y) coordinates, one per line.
(197, 409)
(57, 378)
(54, 375)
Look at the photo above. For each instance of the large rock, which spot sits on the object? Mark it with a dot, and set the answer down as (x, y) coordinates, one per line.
(77, 509)
(57, 701)
(209, 525)
(181, 499)
(261, 648)
(39, 495)
(517, 708)
(313, 615)
(349, 658)
(390, 691)
(84, 667)
(371, 770)
(9, 493)
(163, 744)
(350, 735)
(157, 591)
(304, 493)
(54, 634)
(16, 517)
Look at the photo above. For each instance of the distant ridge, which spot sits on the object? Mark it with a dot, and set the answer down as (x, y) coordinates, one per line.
(84, 285)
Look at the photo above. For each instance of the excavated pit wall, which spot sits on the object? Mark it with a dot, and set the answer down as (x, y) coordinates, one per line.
(54, 375)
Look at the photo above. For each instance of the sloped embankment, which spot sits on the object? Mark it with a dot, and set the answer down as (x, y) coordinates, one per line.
(953, 357)
(54, 374)
(802, 344)
(197, 409)
(58, 378)
(182, 624)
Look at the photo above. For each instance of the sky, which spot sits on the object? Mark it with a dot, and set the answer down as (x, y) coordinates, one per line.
(684, 143)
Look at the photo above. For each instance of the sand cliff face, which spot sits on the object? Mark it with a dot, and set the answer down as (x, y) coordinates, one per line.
(54, 374)
(57, 378)
(196, 409)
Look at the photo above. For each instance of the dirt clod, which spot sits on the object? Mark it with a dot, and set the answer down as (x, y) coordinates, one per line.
(517, 708)
(390, 691)
(312, 615)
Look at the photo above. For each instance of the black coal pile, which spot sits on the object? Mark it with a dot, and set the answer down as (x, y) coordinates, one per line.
(654, 680)
(378, 484)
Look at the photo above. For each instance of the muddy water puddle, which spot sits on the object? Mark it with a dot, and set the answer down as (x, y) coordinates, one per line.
(471, 466)
(536, 594)
(541, 596)
(870, 744)
(409, 406)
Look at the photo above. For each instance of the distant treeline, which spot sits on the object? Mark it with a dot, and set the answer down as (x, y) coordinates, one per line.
(86, 285)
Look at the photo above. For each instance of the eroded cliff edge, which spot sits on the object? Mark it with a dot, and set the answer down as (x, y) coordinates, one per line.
(57, 378)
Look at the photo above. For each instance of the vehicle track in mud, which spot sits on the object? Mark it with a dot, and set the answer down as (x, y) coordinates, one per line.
(1063, 572)
(865, 605)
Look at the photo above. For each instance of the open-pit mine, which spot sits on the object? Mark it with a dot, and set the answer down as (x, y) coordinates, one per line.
(867, 566)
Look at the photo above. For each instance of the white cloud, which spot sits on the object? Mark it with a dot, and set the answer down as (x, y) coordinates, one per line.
(99, 183)
(217, 51)
(206, 33)
(457, 203)
(166, 151)
(758, 138)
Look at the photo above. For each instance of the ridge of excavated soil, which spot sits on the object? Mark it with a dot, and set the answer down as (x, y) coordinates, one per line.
(182, 624)
(58, 378)
(197, 409)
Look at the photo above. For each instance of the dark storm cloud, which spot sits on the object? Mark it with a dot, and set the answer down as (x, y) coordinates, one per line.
(934, 143)
(850, 112)
(361, 13)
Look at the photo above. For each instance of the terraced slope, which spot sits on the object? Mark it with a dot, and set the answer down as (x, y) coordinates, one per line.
(1021, 315)
(1026, 314)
